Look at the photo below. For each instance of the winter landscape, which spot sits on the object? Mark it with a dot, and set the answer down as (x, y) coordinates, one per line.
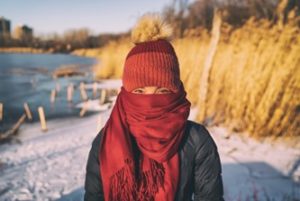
(60, 75)
(51, 165)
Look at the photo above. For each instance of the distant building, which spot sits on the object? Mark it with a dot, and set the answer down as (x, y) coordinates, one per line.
(23, 33)
(4, 30)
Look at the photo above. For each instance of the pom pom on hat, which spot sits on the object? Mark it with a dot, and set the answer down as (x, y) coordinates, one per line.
(150, 27)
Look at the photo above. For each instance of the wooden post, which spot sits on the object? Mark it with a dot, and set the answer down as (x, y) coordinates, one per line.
(212, 49)
(103, 97)
(42, 118)
(1, 111)
(83, 109)
(95, 89)
(52, 96)
(14, 129)
(27, 111)
(18, 124)
(57, 87)
(70, 91)
(83, 92)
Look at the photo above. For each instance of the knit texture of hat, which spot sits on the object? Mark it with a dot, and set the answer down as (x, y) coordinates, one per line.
(152, 61)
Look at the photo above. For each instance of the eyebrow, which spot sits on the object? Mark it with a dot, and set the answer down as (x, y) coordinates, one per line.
(165, 88)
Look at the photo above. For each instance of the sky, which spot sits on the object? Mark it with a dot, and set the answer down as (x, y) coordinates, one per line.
(57, 16)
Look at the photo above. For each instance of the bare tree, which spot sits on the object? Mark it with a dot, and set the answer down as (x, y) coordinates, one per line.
(201, 13)
(204, 81)
(77, 38)
(174, 14)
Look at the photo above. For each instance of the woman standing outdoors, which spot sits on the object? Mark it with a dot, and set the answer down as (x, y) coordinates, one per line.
(148, 150)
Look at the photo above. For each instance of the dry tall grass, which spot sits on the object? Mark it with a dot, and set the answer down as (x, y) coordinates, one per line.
(254, 79)
(94, 52)
(254, 83)
(112, 58)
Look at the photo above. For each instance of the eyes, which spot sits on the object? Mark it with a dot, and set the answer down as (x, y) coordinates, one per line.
(161, 90)
(138, 91)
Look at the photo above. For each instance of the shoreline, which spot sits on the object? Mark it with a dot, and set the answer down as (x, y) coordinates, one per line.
(92, 107)
(52, 125)
(24, 50)
(49, 120)
(30, 79)
(85, 52)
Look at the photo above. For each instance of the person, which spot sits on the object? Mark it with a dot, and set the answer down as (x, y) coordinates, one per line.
(148, 150)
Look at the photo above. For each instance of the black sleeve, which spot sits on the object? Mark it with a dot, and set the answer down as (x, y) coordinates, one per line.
(208, 172)
(93, 184)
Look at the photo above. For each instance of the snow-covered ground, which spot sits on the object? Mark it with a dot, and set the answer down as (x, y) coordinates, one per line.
(255, 170)
(51, 165)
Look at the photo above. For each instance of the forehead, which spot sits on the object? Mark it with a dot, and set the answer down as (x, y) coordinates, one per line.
(150, 87)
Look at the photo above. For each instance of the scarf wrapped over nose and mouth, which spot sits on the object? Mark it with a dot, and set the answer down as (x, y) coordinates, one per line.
(157, 123)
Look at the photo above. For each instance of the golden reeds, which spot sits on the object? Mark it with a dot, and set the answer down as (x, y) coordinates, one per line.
(254, 80)
(112, 59)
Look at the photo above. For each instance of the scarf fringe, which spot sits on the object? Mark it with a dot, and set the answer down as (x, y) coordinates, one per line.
(125, 187)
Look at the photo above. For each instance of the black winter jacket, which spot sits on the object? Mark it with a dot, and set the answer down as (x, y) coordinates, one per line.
(200, 168)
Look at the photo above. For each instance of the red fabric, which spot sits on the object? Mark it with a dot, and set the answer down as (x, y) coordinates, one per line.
(157, 123)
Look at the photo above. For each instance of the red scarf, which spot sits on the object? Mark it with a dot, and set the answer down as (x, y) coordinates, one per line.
(157, 123)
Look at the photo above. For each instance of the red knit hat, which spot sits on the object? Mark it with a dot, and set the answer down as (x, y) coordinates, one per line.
(152, 61)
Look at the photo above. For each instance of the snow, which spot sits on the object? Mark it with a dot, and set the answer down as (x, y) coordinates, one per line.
(106, 84)
(47, 166)
(254, 170)
(93, 105)
(51, 165)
